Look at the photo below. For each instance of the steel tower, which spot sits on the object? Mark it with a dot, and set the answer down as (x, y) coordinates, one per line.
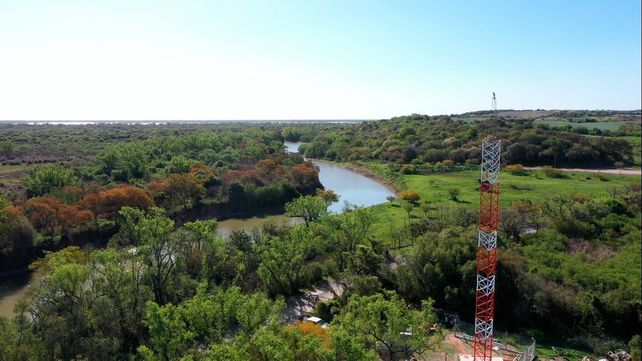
(487, 248)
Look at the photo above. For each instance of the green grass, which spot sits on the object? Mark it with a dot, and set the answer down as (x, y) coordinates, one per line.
(6, 169)
(602, 125)
(434, 189)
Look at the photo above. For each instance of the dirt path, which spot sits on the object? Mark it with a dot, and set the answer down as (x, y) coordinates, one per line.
(301, 305)
(628, 171)
(461, 347)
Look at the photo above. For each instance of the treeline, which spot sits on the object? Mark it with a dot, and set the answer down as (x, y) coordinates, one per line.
(423, 140)
(213, 174)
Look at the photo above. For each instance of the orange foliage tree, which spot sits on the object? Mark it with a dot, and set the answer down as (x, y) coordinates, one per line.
(202, 172)
(184, 189)
(15, 230)
(51, 217)
(304, 175)
(107, 203)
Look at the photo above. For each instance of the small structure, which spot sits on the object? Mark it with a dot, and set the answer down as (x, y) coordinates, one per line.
(317, 321)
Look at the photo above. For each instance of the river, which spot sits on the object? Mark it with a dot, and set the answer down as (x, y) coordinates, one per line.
(350, 186)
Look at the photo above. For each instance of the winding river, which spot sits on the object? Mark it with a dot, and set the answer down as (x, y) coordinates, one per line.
(351, 187)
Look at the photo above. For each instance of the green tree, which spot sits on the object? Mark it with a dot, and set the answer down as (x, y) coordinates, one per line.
(168, 333)
(62, 306)
(328, 195)
(310, 208)
(383, 322)
(201, 250)
(283, 260)
(119, 277)
(47, 179)
(346, 231)
(7, 149)
(180, 164)
(125, 161)
(152, 231)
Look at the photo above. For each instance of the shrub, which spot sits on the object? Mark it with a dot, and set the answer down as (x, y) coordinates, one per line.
(409, 196)
(521, 187)
(454, 193)
(408, 169)
(553, 173)
(446, 163)
(603, 177)
(516, 169)
(47, 179)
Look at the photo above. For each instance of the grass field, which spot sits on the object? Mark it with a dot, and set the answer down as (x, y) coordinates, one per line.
(535, 186)
(602, 125)
(10, 174)
(6, 169)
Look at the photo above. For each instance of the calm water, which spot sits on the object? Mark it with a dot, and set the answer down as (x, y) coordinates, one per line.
(351, 187)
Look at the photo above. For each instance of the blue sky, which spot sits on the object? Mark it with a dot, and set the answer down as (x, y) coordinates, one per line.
(313, 59)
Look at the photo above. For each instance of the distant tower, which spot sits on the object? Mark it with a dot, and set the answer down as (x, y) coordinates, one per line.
(487, 248)
(494, 105)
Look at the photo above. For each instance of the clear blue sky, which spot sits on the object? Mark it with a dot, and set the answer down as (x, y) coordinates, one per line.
(313, 59)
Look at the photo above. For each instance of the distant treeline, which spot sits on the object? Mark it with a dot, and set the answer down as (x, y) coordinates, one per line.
(424, 140)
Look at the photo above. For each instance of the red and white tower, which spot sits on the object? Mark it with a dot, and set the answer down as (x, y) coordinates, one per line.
(487, 250)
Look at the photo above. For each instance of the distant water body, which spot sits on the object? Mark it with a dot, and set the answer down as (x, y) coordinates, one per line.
(191, 122)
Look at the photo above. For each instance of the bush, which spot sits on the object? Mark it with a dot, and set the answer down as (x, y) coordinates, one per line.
(516, 169)
(409, 196)
(553, 173)
(408, 169)
(603, 177)
(521, 187)
(446, 163)
(47, 179)
(454, 193)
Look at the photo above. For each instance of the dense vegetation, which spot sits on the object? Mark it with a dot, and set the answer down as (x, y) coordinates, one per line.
(163, 293)
(167, 287)
(190, 172)
(422, 142)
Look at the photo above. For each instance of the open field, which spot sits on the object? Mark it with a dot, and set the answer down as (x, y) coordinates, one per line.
(10, 174)
(10, 169)
(535, 186)
(602, 125)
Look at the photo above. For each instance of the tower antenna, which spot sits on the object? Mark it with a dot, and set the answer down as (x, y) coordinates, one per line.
(487, 248)
(494, 106)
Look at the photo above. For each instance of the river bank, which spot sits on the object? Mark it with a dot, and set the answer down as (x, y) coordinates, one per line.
(372, 174)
